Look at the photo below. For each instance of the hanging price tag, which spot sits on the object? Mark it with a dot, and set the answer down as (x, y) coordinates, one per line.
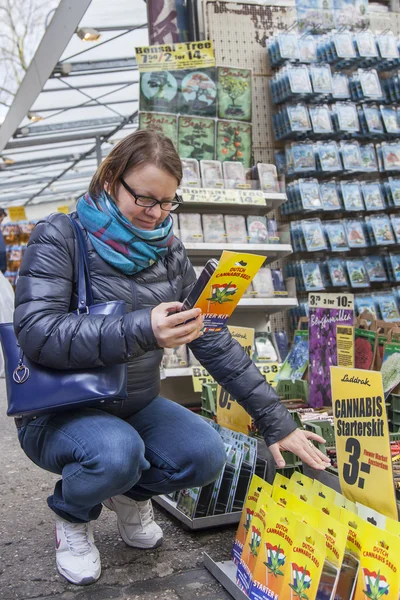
(195, 194)
(172, 57)
(252, 197)
(321, 300)
(200, 376)
(269, 370)
(17, 213)
(362, 439)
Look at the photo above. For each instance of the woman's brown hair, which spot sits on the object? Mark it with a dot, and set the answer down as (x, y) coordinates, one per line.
(144, 147)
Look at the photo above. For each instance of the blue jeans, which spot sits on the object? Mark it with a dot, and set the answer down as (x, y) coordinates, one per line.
(161, 449)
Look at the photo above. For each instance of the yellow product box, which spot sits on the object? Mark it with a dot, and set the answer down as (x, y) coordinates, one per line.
(253, 541)
(301, 479)
(281, 495)
(326, 507)
(335, 540)
(324, 491)
(305, 512)
(226, 287)
(274, 555)
(301, 579)
(257, 485)
(379, 572)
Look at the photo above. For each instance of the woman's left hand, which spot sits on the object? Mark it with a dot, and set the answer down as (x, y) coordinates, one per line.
(299, 443)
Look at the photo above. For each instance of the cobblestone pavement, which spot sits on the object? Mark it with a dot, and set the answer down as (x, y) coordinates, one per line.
(27, 559)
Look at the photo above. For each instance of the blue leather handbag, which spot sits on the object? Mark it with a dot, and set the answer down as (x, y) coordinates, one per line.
(34, 390)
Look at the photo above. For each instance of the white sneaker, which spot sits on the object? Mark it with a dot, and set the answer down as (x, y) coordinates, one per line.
(136, 522)
(77, 557)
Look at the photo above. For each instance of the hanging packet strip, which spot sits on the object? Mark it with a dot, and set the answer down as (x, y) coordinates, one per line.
(335, 541)
(253, 542)
(257, 486)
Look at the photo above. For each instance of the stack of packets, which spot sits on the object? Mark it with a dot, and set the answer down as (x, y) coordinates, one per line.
(228, 493)
(299, 539)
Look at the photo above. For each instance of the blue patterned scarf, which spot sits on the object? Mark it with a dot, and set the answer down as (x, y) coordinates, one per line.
(117, 241)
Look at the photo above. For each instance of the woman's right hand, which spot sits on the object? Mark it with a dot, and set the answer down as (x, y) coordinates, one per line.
(170, 326)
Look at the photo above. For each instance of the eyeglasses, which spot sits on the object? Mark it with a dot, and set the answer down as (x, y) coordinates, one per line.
(147, 202)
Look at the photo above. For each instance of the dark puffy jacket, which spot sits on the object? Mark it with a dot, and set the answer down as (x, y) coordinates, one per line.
(55, 337)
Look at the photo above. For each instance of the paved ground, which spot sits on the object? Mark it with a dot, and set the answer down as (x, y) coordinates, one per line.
(27, 561)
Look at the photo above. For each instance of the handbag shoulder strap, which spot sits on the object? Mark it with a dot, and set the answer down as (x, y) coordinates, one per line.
(85, 293)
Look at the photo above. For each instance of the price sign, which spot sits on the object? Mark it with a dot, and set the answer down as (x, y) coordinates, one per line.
(194, 194)
(269, 370)
(63, 209)
(362, 439)
(229, 413)
(17, 213)
(200, 376)
(252, 197)
(320, 300)
(172, 57)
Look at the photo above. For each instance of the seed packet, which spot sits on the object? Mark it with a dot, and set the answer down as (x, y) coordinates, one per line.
(198, 92)
(165, 124)
(298, 117)
(389, 118)
(296, 361)
(196, 138)
(211, 174)
(257, 228)
(303, 157)
(395, 219)
(257, 485)
(234, 93)
(372, 194)
(234, 142)
(279, 282)
(336, 236)
(313, 235)
(357, 273)
(306, 563)
(372, 117)
(351, 156)
(268, 177)
(308, 49)
(264, 349)
(382, 230)
(393, 263)
(321, 79)
(329, 195)
(328, 156)
(214, 229)
(375, 268)
(187, 501)
(365, 303)
(351, 559)
(364, 348)
(321, 119)
(335, 541)
(190, 227)
(368, 158)
(312, 277)
(309, 194)
(343, 45)
(175, 357)
(378, 574)
(299, 80)
(337, 272)
(394, 189)
(370, 84)
(234, 174)
(159, 91)
(391, 156)
(235, 226)
(351, 194)
(190, 172)
(346, 117)
(325, 506)
(263, 286)
(273, 556)
(340, 86)
(252, 543)
(355, 233)
(388, 307)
